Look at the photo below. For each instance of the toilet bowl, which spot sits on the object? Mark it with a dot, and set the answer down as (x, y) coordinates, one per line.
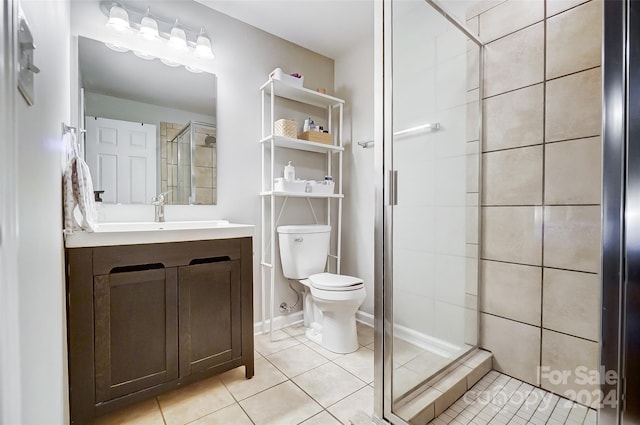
(331, 310)
(331, 300)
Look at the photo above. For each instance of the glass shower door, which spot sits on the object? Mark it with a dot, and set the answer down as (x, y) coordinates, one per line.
(432, 122)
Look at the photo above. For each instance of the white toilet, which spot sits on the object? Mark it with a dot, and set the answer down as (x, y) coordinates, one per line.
(331, 300)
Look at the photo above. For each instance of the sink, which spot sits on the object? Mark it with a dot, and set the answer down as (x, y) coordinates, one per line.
(148, 232)
(167, 225)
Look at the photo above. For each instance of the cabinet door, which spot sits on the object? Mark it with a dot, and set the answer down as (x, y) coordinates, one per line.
(210, 315)
(136, 325)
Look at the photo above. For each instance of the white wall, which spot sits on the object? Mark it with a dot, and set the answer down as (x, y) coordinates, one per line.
(40, 250)
(354, 83)
(244, 58)
(10, 394)
(115, 108)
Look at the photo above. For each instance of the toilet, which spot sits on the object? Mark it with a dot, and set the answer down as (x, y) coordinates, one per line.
(330, 300)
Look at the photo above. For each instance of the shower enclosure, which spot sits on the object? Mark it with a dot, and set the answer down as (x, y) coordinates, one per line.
(191, 150)
(428, 229)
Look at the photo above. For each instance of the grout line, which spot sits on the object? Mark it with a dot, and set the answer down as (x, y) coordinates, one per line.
(515, 31)
(513, 90)
(541, 266)
(510, 319)
(511, 148)
(550, 142)
(544, 172)
(568, 334)
(484, 11)
(566, 10)
(573, 73)
(164, 420)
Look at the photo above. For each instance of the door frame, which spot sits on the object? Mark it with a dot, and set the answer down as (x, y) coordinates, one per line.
(10, 386)
(614, 168)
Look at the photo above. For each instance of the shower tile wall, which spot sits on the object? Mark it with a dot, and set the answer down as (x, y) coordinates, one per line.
(168, 159)
(540, 249)
(204, 162)
(205, 167)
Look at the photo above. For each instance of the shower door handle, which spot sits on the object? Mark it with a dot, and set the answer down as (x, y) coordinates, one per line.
(392, 184)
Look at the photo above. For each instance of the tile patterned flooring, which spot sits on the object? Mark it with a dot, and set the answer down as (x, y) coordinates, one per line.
(299, 382)
(498, 399)
(296, 382)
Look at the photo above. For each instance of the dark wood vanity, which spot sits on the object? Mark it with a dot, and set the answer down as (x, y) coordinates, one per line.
(146, 319)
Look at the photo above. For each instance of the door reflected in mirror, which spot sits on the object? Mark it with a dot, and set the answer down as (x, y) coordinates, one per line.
(150, 127)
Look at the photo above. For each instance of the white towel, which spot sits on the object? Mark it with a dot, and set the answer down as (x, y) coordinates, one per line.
(78, 192)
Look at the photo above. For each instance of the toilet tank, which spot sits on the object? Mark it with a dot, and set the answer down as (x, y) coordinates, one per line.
(303, 249)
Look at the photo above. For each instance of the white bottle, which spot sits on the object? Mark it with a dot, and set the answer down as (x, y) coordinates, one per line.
(289, 172)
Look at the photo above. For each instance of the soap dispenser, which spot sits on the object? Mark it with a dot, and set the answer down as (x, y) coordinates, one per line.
(289, 172)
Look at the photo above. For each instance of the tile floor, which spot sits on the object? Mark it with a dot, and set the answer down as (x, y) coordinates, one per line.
(498, 399)
(296, 382)
(299, 382)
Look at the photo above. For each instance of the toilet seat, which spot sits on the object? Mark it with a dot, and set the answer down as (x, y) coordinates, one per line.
(335, 282)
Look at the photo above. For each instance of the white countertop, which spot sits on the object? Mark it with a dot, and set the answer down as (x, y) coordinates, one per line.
(135, 233)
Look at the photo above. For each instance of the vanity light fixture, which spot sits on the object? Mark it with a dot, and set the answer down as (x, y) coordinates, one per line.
(143, 55)
(193, 69)
(203, 46)
(170, 63)
(130, 21)
(118, 18)
(116, 47)
(178, 38)
(149, 27)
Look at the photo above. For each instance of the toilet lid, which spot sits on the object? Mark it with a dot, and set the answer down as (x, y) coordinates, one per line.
(335, 282)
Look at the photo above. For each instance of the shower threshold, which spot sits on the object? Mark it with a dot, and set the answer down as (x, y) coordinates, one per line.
(442, 390)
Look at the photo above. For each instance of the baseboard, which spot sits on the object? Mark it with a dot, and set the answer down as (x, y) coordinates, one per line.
(364, 318)
(279, 322)
(427, 342)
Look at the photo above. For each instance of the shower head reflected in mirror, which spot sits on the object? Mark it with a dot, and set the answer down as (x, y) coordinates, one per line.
(210, 140)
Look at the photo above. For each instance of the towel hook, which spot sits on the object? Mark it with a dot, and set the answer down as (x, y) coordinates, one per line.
(66, 129)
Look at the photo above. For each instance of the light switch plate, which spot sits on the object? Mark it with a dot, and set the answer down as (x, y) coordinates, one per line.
(27, 70)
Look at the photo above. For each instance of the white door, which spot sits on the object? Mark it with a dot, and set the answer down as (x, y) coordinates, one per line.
(122, 159)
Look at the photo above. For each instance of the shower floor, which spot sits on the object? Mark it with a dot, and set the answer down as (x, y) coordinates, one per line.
(499, 399)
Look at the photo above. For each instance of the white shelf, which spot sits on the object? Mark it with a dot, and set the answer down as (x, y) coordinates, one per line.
(300, 94)
(303, 145)
(302, 194)
(272, 93)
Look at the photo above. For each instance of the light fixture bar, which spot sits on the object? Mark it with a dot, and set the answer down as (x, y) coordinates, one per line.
(164, 26)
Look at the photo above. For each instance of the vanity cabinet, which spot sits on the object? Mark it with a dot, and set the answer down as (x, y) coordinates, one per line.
(134, 313)
(210, 332)
(146, 319)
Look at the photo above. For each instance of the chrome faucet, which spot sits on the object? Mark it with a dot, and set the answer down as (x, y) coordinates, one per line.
(158, 202)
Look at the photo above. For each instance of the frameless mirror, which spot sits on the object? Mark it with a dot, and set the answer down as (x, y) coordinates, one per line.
(150, 127)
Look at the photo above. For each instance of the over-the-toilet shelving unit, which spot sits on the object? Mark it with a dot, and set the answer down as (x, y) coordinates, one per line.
(269, 143)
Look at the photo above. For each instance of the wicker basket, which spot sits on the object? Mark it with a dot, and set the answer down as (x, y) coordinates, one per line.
(286, 128)
(316, 136)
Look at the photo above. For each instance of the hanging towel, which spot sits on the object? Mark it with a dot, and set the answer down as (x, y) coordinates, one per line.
(78, 192)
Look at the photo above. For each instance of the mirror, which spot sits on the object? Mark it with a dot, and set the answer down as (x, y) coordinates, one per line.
(150, 127)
